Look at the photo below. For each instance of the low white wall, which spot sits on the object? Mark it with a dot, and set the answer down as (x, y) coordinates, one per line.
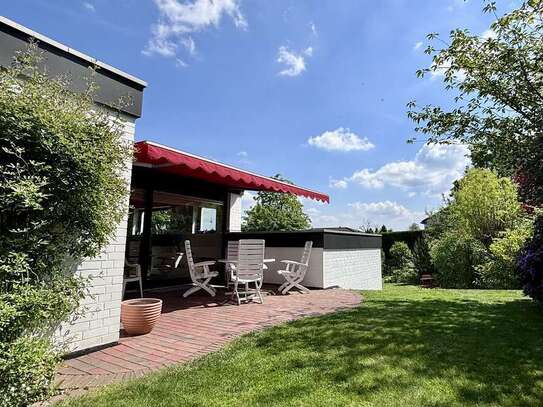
(313, 277)
(357, 269)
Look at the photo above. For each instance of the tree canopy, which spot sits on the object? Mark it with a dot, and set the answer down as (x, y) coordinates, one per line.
(275, 212)
(497, 81)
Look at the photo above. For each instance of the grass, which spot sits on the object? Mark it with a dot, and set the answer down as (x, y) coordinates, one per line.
(404, 346)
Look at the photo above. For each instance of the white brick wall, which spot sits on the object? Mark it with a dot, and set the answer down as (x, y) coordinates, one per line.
(234, 212)
(313, 276)
(100, 322)
(358, 269)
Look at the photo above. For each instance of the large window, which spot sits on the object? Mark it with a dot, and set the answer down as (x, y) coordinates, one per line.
(177, 214)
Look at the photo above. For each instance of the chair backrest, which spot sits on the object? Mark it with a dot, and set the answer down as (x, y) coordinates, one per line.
(190, 260)
(250, 258)
(307, 253)
(232, 250)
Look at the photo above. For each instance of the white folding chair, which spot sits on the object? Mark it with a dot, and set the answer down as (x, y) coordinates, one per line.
(295, 271)
(232, 249)
(199, 274)
(249, 268)
(132, 273)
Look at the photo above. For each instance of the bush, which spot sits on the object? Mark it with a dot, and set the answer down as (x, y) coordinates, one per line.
(455, 258)
(421, 257)
(62, 196)
(500, 271)
(399, 265)
(530, 263)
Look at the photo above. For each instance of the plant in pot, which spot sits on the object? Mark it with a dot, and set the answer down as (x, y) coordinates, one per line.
(140, 315)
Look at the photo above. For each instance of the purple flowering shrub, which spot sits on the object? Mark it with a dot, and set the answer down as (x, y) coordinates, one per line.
(530, 263)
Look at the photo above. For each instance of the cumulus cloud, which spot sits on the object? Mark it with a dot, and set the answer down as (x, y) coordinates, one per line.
(340, 139)
(338, 183)
(432, 172)
(357, 214)
(179, 19)
(294, 62)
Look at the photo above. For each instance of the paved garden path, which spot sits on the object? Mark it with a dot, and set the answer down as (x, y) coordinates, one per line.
(189, 328)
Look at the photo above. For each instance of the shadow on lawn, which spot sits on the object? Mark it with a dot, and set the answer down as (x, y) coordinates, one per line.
(487, 352)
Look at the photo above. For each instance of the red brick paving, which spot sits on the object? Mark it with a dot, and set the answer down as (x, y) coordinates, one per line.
(189, 328)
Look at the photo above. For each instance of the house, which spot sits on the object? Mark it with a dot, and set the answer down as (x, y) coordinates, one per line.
(176, 196)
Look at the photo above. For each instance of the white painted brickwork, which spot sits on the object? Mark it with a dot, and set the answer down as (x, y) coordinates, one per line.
(101, 320)
(234, 212)
(358, 269)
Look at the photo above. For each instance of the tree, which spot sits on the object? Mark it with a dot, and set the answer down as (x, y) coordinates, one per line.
(485, 205)
(479, 233)
(414, 227)
(62, 195)
(497, 81)
(275, 212)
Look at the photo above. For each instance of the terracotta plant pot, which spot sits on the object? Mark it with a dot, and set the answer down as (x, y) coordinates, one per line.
(140, 315)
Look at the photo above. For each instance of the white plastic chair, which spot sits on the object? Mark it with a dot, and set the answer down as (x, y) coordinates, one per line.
(132, 273)
(295, 271)
(199, 274)
(249, 268)
(232, 250)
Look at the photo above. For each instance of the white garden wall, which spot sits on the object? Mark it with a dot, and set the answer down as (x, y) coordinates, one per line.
(358, 269)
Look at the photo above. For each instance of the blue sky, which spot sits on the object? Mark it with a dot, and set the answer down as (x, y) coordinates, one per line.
(314, 90)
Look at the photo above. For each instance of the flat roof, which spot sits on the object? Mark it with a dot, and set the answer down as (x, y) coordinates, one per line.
(71, 51)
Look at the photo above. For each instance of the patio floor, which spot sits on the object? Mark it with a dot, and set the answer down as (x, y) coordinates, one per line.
(189, 328)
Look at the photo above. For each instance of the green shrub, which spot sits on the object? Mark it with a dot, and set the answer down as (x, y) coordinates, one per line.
(499, 272)
(399, 265)
(455, 258)
(62, 195)
(421, 257)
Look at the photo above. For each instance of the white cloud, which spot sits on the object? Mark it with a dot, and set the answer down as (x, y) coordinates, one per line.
(314, 29)
(294, 62)
(340, 139)
(357, 214)
(432, 172)
(489, 34)
(308, 51)
(417, 45)
(89, 6)
(338, 183)
(179, 19)
(242, 154)
(247, 201)
(180, 63)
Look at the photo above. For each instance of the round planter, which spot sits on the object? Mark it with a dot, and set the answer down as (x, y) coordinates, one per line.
(140, 315)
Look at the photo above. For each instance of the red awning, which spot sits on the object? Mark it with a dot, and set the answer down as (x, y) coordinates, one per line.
(173, 161)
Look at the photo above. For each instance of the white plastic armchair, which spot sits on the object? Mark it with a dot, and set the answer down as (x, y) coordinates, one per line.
(295, 271)
(199, 274)
(249, 268)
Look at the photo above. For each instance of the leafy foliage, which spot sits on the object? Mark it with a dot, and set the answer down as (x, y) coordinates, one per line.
(455, 257)
(485, 205)
(530, 263)
(500, 270)
(275, 212)
(497, 80)
(399, 267)
(62, 194)
(479, 233)
(421, 257)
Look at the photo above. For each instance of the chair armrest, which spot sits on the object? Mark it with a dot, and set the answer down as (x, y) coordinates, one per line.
(296, 263)
(205, 263)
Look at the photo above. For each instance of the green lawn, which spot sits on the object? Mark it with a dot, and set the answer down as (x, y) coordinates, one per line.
(404, 346)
